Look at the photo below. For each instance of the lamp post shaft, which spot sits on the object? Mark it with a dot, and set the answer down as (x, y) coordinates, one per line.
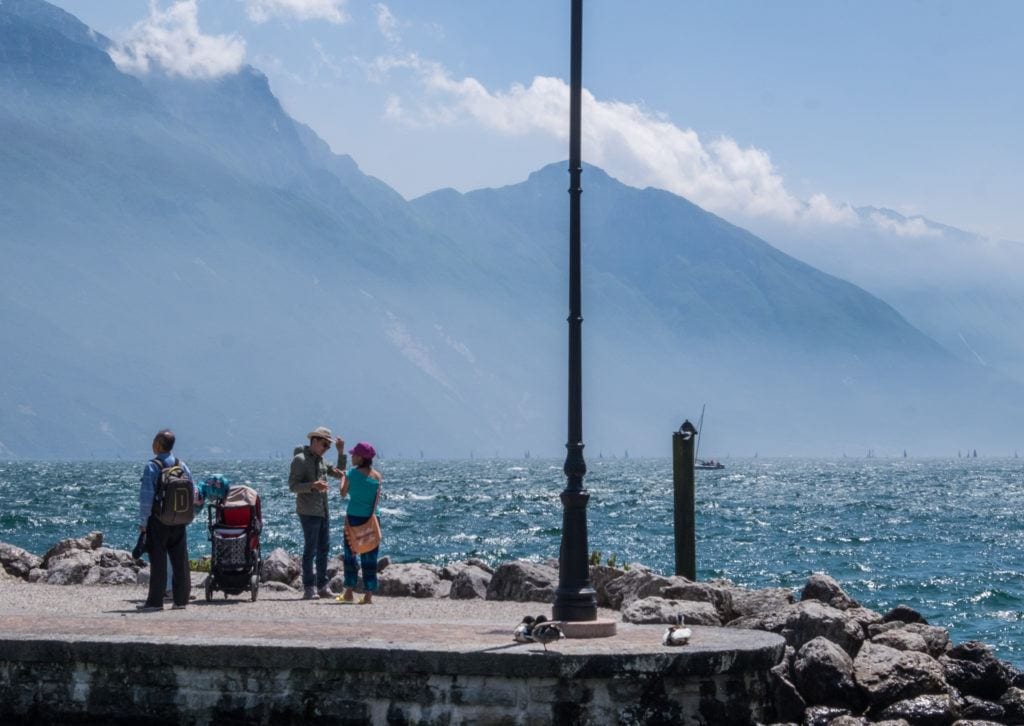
(575, 599)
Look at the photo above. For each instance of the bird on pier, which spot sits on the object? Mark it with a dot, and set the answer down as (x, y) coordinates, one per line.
(677, 634)
(523, 631)
(546, 632)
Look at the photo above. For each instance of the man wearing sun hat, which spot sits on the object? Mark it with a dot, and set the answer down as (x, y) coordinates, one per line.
(307, 479)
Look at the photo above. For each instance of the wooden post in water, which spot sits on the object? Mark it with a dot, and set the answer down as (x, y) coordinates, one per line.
(684, 515)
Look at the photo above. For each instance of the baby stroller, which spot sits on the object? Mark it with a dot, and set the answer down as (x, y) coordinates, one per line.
(234, 525)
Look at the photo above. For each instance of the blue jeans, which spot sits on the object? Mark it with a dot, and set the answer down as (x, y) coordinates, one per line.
(316, 533)
(368, 561)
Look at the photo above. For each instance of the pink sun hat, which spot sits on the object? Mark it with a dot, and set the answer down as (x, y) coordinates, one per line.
(364, 450)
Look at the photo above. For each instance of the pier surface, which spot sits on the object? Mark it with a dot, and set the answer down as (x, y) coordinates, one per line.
(84, 654)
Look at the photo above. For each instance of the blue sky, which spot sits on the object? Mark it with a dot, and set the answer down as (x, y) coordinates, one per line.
(788, 111)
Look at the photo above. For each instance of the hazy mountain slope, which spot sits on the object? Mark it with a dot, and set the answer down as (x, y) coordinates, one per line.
(183, 253)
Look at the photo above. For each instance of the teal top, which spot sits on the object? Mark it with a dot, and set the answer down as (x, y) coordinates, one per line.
(362, 491)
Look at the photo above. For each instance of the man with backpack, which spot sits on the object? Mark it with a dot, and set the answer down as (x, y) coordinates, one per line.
(167, 499)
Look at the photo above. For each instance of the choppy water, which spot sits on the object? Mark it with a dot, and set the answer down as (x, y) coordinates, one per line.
(941, 536)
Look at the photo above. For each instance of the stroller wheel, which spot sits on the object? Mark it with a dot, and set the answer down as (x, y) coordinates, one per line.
(254, 586)
(208, 586)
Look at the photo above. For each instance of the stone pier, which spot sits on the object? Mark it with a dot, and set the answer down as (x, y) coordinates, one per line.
(298, 662)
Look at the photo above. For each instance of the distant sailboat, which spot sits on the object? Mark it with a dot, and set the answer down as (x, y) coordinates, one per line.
(626, 455)
(974, 454)
(699, 463)
(904, 453)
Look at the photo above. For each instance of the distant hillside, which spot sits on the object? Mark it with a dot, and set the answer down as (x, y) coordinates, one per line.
(184, 253)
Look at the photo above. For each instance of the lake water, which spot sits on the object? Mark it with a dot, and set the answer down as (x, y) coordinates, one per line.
(941, 536)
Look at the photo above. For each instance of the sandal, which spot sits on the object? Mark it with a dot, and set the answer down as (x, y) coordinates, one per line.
(364, 601)
(342, 601)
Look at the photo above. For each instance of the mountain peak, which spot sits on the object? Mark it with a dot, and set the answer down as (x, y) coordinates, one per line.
(45, 15)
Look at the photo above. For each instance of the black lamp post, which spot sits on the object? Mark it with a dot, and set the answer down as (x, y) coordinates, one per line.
(575, 599)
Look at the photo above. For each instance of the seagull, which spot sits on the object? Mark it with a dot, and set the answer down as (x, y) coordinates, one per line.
(676, 635)
(522, 633)
(546, 632)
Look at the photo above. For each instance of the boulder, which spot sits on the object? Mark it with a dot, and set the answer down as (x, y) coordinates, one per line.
(107, 557)
(600, 577)
(471, 583)
(823, 673)
(937, 709)
(522, 581)
(772, 620)
(849, 721)
(901, 639)
(973, 722)
(1013, 705)
(142, 577)
(974, 670)
(811, 618)
(747, 602)
(18, 562)
(658, 610)
(70, 568)
(89, 542)
(633, 585)
(382, 562)
(274, 586)
(979, 708)
(866, 618)
(115, 575)
(37, 573)
(335, 566)
(480, 564)
(905, 614)
(823, 588)
(886, 675)
(414, 579)
(279, 566)
(789, 704)
(823, 715)
(936, 638)
(718, 596)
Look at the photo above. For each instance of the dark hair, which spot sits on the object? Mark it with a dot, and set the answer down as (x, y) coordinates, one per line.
(165, 440)
(367, 462)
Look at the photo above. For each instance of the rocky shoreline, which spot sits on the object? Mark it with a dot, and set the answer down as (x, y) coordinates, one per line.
(845, 665)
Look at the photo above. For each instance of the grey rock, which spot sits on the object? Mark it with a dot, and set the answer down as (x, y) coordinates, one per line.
(279, 566)
(480, 564)
(600, 577)
(382, 563)
(879, 628)
(335, 584)
(107, 557)
(718, 596)
(979, 708)
(471, 583)
(89, 542)
(273, 586)
(823, 673)
(936, 638)
(937, 709)
(142, 577)
(901, 639)
(1013, 705)
(116, 575)
(905, 614)
(449, 571)
(823, 715)
(865, 617)
(774, 621)
(886, 675)
(335, 566)
(411, 580)
(891, 722)
(849, 721)
(974, 670)
(824, 588)
(810, 619)
(658, 610)
(785, 697)
(633, 585)
(70, 568)
(976, 722)
(18, 562)
(746, 602)
(522, 581)
(36, 574)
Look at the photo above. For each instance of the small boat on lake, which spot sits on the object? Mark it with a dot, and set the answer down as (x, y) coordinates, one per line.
(708, 464)
(698, 463)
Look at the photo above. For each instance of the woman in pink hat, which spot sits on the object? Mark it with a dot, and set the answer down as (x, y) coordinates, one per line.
(361, 484)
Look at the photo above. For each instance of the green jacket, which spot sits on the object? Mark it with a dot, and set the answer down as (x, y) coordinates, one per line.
(307, 468)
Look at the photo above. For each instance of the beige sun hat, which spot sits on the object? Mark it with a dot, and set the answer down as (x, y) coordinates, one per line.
(320, 432)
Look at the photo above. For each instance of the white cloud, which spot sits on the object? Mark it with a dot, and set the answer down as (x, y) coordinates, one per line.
(171, 40)
(913, 227)
(260, 11)
(387, 23)
(637, 146)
